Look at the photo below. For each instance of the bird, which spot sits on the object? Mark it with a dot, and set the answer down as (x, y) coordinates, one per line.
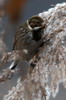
(28, 38)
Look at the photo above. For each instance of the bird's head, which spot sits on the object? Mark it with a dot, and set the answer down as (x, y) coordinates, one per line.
(35, 23)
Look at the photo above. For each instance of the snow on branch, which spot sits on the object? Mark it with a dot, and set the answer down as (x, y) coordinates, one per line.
(50, 68)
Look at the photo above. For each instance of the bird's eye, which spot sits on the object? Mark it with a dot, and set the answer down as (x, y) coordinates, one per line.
(38, 22)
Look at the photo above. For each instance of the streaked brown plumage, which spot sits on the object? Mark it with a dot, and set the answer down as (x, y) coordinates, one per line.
(29, 37)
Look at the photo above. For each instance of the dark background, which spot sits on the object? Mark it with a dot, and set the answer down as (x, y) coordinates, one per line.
(33, 7)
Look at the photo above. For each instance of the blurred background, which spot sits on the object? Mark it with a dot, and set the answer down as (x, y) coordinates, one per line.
(12, 14)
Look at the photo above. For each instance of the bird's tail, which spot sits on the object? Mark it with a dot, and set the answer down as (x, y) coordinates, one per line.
(13, 65)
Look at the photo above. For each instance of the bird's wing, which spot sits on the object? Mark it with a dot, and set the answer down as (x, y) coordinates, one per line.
(17, 36)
